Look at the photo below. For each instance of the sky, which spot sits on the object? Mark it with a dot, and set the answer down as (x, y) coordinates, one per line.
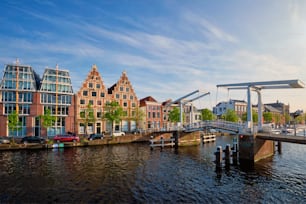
(168, 48)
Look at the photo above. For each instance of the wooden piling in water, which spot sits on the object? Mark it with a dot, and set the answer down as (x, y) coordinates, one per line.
(227, 152)
(219, 158)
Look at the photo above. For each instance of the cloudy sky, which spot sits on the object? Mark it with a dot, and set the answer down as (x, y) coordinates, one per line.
(168, 48)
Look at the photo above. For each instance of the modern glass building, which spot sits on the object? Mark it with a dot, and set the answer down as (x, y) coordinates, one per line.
(18, 87)
(56, 94)
(22, 91)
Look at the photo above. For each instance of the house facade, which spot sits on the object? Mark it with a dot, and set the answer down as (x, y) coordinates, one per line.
(153, 113)
(122, 92)
(24, 92)
(239, 106)
(93, 92)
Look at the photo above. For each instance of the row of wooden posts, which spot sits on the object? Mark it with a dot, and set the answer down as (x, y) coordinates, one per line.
(230, 154)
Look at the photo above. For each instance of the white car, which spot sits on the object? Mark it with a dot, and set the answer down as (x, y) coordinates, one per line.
(118, 133)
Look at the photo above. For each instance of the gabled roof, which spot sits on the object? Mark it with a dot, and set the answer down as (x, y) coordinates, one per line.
(93, 75)
(272, 109)
(142, 102)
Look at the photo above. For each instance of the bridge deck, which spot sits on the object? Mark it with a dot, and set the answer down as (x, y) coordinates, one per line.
(282, 138)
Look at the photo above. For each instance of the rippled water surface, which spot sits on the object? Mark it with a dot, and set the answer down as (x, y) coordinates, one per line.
(132, 173)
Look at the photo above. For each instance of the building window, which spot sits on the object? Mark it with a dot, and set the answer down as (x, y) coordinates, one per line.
(121, 88)
(127, 89)
(133, 105)
(125, 104)
(91, 102)
(85, 93)
(90, 85)
(97, 86)
(102, 95)
(82, 101)
(131, 97)
(124, 96)
(82, 114)
(99, 103)
(99, 114)
(94, 93)
(117, 96)
(125, 113)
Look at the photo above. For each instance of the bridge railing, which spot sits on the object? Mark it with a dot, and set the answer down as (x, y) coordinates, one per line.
(218, 124)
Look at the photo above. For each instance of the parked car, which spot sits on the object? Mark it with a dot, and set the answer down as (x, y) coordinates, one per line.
(32, 139)
(118, 133)
(66, 138)
(95, 136)
(4, 140)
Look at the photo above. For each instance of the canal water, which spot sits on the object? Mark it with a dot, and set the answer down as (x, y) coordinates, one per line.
(132, 173)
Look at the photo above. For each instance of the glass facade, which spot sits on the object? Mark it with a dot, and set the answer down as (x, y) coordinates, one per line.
(18, 84)
(56, 95)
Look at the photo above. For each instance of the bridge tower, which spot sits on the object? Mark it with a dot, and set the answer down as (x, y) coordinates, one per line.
(250, 148)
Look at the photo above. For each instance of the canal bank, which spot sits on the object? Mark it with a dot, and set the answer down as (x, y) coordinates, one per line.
(184, 139)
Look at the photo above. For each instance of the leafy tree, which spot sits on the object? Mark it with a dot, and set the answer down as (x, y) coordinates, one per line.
(299, 119)
(87, 116)
(287, 118)
(13, 122)
(113, 113)
(174, 115)
(278, 118)
(47, 119)
(268, 117)
(254, 116)
(207, 114)
(230, 115)
(138, 117)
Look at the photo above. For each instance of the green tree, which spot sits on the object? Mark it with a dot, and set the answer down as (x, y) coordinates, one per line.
(254, 116)
(287, 118)
(268, 117)
(299, 119)
(48, 119)
(138, 116)
(230, 115)
(277, 118)
(174, 115)
(13, 123)
(87, 117)
(113, 113)
(207, 114)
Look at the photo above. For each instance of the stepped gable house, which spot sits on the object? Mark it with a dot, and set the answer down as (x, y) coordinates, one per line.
(24, 92)
(94, 92)
(124, 94)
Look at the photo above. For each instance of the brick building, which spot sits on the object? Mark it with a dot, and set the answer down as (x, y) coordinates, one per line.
(153, 113)
(94, 92)
(23, 91)
(124, 94)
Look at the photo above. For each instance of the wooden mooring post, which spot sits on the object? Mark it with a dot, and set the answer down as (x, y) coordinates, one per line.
(230, 154)
(219, 157)
(279, 147)
(235, 153)
(227, 152)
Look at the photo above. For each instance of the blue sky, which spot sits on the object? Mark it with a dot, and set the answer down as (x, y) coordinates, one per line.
(168, 48)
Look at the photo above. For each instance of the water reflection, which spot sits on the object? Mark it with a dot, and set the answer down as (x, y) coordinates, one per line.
(132, 173)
